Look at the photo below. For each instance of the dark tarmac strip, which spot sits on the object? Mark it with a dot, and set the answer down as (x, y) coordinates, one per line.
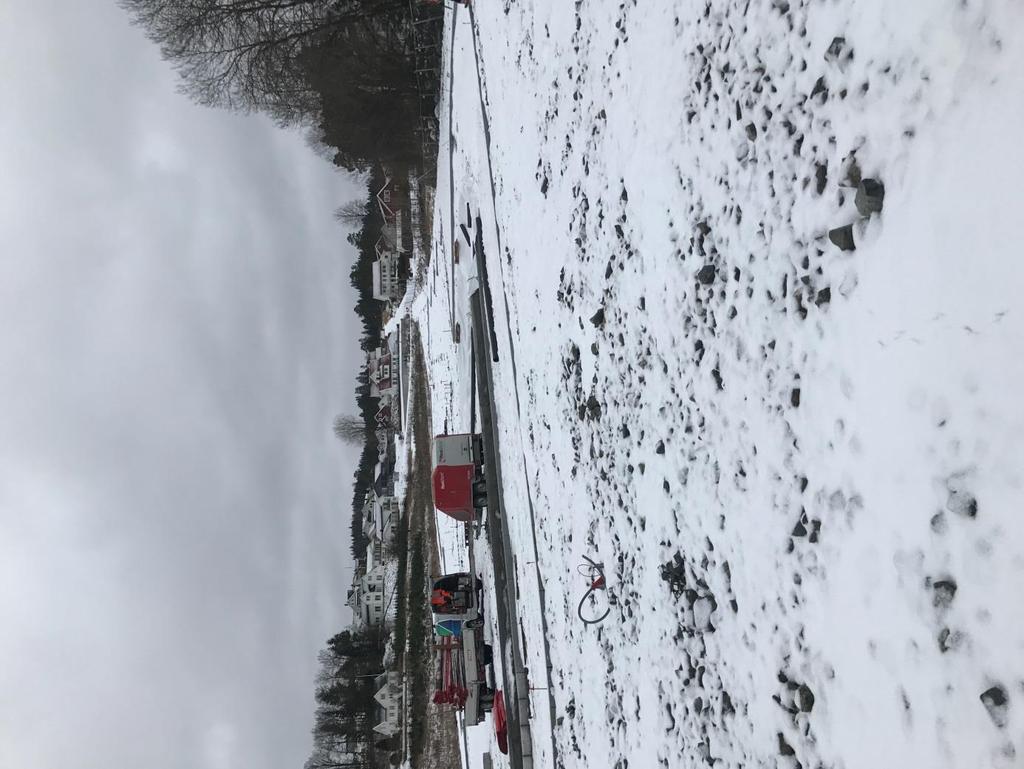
(516, 690)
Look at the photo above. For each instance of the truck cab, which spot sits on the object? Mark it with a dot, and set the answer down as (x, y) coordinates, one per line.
(457, 597)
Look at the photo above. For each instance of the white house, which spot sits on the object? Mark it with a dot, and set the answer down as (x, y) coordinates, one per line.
(386, 283)
(389, 703)
(367, 597)
(386, 514)
(369, 519)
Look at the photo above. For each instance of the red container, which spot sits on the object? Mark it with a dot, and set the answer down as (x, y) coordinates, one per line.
(458, 484)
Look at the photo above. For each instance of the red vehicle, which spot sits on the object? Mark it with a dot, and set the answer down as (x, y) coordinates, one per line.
(500, 721)
(464, 678)
(460, 488)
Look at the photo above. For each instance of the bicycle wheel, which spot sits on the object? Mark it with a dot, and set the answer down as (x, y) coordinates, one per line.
(594, 606)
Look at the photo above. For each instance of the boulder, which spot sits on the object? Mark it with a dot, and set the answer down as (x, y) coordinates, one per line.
(842, 237)
(805, 698)
(835, 49)
(706, 274)
(870, 197)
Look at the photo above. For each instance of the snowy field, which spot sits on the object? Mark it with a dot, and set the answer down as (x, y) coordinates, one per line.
(825, 446)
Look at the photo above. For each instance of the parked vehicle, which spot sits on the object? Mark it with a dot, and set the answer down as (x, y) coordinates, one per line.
(465, 678)
(457, 597)
(459, 483)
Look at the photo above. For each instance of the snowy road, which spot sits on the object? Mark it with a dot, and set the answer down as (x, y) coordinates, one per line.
(802, 464)
(502, 586)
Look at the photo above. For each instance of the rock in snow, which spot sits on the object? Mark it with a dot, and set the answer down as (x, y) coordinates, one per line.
(997, 704)
(805, 698)
(870, 197)
(842, 237)
(706, 274)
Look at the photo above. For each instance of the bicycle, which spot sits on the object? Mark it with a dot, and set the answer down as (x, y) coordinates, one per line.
(595, 604)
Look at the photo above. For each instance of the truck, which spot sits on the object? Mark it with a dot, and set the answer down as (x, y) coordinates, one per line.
(464, 675)
(456, 597)
(458, 481)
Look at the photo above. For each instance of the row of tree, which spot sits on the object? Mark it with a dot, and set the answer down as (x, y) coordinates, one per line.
(346, 711)
(370, 312)
(343, 69)
(343, 735)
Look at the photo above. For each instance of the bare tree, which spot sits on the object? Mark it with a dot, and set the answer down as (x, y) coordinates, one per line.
(351, 214)
(250, 54)
(350, 429)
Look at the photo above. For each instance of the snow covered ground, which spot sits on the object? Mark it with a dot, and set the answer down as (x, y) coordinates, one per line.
(825, 447)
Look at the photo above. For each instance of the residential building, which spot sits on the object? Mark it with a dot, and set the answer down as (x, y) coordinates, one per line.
(390, 202)
(386, 282)
(389, 703)
(386, 515)
(368, 597)
(384, 482)
(383, 416)
(369, 518)
(383, 377)
(387, 200)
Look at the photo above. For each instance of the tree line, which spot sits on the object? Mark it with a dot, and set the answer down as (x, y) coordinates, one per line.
(343, 69)
(346, 710)
(370, 313)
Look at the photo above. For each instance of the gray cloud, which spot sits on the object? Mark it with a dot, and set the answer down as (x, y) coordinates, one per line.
(175, 338)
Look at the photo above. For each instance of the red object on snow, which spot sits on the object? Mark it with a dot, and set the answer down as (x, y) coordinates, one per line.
(500, 721)
(458, 463)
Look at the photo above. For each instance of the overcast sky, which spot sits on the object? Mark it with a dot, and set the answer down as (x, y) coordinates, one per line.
(176, 335)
